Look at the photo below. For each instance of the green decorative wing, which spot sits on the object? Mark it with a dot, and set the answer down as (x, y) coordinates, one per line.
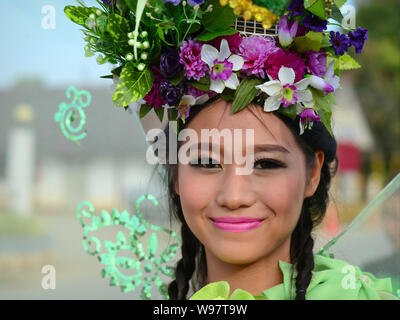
(147, 263)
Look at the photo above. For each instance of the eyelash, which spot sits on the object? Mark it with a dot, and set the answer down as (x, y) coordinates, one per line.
(276, 164)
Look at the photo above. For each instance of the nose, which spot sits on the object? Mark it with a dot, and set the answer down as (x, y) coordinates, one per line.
(235, 191)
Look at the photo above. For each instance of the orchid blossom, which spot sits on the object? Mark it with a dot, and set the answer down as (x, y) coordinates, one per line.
(329, 82)
(285, 90)
(287, 32)
(222, 64)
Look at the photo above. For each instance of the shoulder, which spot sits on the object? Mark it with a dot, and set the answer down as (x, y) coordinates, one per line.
(334, 279)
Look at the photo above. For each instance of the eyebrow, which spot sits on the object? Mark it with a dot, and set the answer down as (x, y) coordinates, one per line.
(257, 147)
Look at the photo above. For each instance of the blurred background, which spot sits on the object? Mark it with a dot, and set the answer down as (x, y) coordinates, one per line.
(44, 176)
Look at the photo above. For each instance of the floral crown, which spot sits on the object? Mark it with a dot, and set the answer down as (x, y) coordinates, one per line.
(173, 54)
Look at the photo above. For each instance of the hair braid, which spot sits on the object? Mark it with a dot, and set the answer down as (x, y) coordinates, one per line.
(179, 288)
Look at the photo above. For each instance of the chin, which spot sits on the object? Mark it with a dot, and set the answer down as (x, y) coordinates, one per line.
(238, 257)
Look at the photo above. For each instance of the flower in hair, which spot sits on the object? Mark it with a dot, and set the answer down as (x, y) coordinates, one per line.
(307, 116)
(287, 31)
(190, 57)
(284, 58)
(314, 23)
(284, 90)
(169, 63)
(170, 93)
(255, 51)
(296, 8)
(222, 64)
(358, 38)
(340, 42)
(316, 62)
(328, 83)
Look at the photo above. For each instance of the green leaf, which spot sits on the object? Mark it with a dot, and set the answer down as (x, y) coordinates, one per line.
(316, 7)
(245, 93)
(176, 80)
(346, 62)
(138, 15)
(101, 59)
(88, 52)
(132, 85)
(323, 104)
(290, 111)
(311, 41)
(172, 114)
(228, 94)
(202, 84)
(220, 18)
(160, 113)
(209, 35)
(119, 27)
(109, 76)
(102, 23)
(144, 109)
(79, 15)
(339, 3)
(336, 14)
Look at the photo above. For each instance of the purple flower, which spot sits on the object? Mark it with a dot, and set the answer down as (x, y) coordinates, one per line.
(289, 95)
(296, 8)
(169, 63)
(358, 38)
(174, 2)
(195, 2)
(255, 51)
(316, 62)
(153, 97)
(315, 23)
(222, 70)
(308, 115)
(340, 43)
(190, 57)
(195, 92)
(108, 3)
(170, 93)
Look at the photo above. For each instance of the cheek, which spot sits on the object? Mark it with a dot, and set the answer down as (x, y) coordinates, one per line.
(196, 193)
(283, 194)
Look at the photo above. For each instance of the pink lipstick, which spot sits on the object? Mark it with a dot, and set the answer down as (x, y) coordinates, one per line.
(236, 224)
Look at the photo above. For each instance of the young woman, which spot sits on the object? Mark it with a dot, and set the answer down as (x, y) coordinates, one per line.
(247, 229)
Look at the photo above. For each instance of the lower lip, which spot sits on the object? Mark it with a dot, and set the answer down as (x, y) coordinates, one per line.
(237, 227)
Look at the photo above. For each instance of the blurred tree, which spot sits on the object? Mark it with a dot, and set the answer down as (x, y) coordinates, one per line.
(378, 82)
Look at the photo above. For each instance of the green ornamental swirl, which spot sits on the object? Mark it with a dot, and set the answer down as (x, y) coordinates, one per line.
(144, 263)
(68, 113)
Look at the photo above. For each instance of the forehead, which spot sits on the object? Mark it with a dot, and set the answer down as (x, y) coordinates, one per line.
(268, 128)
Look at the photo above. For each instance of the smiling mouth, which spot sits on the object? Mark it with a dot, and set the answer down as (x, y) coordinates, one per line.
(236, 224)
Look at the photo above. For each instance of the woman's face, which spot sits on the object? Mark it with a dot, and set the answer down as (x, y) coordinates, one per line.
(214, 196)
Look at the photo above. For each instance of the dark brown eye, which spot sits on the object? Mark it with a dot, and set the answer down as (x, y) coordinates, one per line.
(204, 163)
(268, 164)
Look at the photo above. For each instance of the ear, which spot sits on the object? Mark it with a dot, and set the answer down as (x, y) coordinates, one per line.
(315, 174)
(176, 185)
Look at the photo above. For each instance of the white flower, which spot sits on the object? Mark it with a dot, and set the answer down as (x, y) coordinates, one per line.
(222, 64)
(285, 90)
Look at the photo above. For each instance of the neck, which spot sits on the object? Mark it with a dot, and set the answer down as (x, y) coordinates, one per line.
(254, 277)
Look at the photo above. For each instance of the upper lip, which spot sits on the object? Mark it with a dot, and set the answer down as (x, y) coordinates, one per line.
(236, 219)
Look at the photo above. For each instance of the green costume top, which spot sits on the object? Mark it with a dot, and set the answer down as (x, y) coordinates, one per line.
(332, 279)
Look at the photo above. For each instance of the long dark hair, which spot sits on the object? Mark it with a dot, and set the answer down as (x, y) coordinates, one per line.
(192, 266)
